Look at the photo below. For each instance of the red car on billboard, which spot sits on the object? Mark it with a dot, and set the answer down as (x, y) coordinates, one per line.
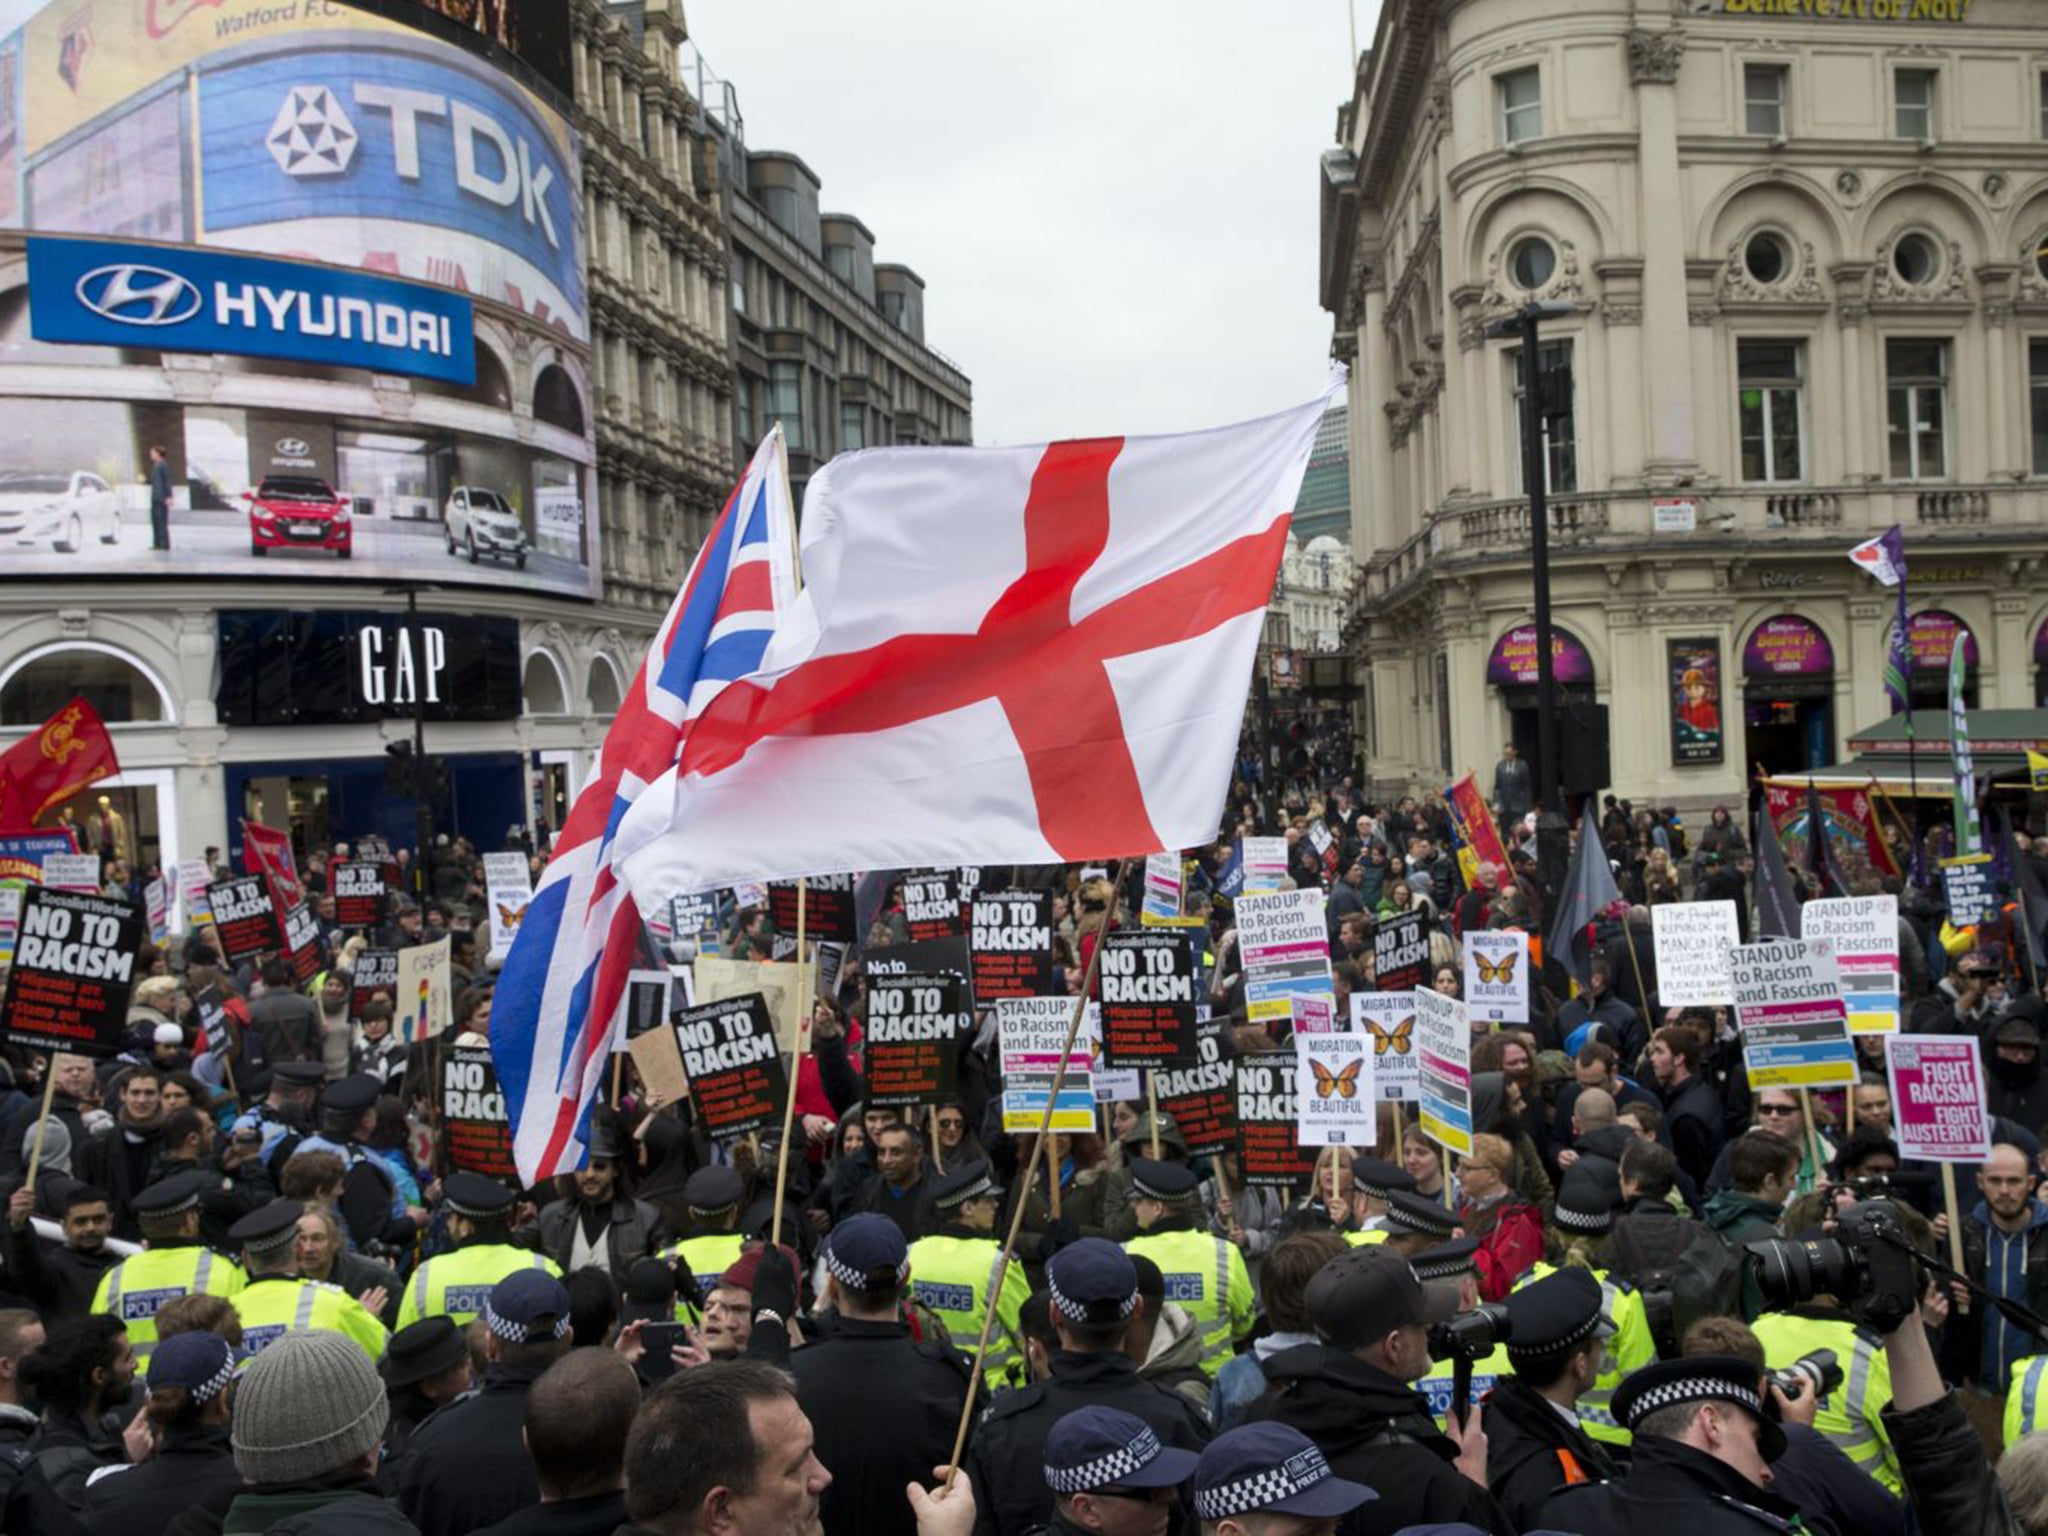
(298, 512)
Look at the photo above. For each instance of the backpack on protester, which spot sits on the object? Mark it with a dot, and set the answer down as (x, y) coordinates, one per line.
(1680, 1267)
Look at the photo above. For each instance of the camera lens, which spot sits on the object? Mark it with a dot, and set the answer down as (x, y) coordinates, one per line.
(1790, 1271)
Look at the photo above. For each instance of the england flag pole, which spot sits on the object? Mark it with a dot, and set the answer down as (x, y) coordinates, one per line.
(799, 1044)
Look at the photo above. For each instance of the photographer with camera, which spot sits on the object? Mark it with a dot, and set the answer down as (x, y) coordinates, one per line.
(1535, 1440)
(1469, 1332)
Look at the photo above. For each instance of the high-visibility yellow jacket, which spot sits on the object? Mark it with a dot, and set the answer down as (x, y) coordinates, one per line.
(1631, 1346)
(279, 1304)
(952, 1272)
(457, 1284)
(1849, 1415)
(1206, 1277)
(137, 1287)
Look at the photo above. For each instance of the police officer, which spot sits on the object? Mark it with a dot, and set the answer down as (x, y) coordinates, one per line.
(1271, 1469)
(1632, 1345)
(1205, 1274)
(285, 1114)
(953, 1271)
(1415, 1222)
(1849, 1415)
(712, 1196)
(1092, 1290)
(276, 1301)
(862, 1342)
(1700, 1461)
(1100, 1461)
(2026, 1403)
(1376, 1181)
(426, 1367)
(1457, 1263)
(1535, 1441)
(173, 1263)
(457, 1283)
(371, 1207)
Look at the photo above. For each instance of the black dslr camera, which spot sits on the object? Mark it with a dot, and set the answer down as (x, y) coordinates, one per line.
(1819, 1369)
(1465, 1340)
(1868, 1266)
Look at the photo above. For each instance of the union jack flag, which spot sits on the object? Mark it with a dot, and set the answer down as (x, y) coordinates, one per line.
(559, 1001)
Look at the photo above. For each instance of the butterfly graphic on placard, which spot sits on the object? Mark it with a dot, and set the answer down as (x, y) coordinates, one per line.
(511, 917)
(1336, 1085)
(1400, 1039)
(1499, 972)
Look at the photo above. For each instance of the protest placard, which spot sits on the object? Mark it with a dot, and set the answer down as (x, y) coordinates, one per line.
(949, 956)
(931, 906)
(1269, 1149)
(425, 998)
(1169, 902)
(1938, 1104)
(693, 921)
(156, 906)
(1202, 1099)
(1265, 864)
(1400, 952)
(191, 878)
(750, 893)
(717, 979)
(650, 999)
(10, 918)
(1443, 1042)
(1388, 1020)
(1694, 940)
(729, 1053)
(268, 851)
(245, 917)
(1011, 934)
(1112, 1084)
(74, 966)
(508, 887)
(829, 913)
(1864, 932)
(474, 1124)
(913, 1033)
(358, 890)
(1286, 950)
(22, 853)
(72, 872)
(1032, 1032)
(1497, 975)
(1313, 1014)
(1336, 1101)
(1967, 889)
(1148, 999)
(658, 1062)
(302, 946)
(1324, 841)
(376, 973)
(1788, 1005)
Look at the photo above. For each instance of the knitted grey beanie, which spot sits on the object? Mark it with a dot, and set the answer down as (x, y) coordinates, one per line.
(308, 1404)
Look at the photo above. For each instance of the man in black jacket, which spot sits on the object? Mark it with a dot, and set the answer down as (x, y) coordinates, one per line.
(1352, 1395)
(1534, 1442)
(578, 1416)
(60, 1281)
(864, 1346)
(1094, 1290)
(1692, 1110)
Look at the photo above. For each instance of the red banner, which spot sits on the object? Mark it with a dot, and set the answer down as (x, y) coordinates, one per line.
(1852, 825)
(68, 752)
(267, 851)
(1472, 823)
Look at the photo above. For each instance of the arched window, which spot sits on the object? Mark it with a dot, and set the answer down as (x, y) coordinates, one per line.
(115, 684)
(544, 689)
(556, 401)
(603, 686)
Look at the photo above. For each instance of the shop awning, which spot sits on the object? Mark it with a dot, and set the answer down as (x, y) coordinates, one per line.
(1999, 742)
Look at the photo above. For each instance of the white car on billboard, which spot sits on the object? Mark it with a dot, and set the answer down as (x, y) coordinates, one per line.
(478, 521)
(57, 509)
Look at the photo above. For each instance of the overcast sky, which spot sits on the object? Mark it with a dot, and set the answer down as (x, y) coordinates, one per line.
(1113, 205)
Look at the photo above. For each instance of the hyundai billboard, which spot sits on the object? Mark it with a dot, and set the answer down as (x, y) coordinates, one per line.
(330, 266)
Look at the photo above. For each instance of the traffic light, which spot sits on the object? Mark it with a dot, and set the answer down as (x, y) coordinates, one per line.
(398, 769)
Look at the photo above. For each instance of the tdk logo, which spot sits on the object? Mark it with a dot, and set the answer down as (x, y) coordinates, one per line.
(137, 295)
(313, 135)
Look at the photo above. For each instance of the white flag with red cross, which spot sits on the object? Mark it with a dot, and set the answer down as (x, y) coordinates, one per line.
(1001, 655)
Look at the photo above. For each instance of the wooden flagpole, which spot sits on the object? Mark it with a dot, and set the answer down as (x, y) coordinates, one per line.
(1152, 1110)
(35, 1156)
(1812, 1135)
(796, 1058)
(938, 1157)
(1004, 1258)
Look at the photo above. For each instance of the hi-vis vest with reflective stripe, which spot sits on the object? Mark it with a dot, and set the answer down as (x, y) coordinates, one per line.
(2026, 1399)
(1368, 1237)
(1206, 1278)
(457, 1284)
(1849, 1415)
(1441, 1382)
(953, 1276)
(1631, 1346)
(279, 1304)
(135, 1289)
(709, 1255)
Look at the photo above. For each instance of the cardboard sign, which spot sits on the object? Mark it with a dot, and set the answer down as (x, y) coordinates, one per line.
(729, 1052)
(358, 891)
(1265, 864)
(508, 888)
(376, 972)
(1387, 1019)
(777, 982)
(1694, 941)
(192, 878)
(1011, 934)
(74, 966)
(829, 915)
(474, 1124)
(1033, 1032)
(1864, 933)
(1788, 1004)
(1286, 950)
(267, 851)
(302, 944)
(1967, 889)
(425, 1000)
(931, 906)
(1202, 1099)
(1400, 952)
(72, 872)
(1938, 1104)
(693, 920)
(1497, 975)
(1148, 999)
(658, 1060)
(1167, 899)
(156, 905)
(1443, 1042)
(245, 918)
(1269, 1150)
(1336, 1101)
(910, 1048)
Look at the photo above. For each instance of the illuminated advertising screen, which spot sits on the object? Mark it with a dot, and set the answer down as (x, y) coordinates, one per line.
(329, 264)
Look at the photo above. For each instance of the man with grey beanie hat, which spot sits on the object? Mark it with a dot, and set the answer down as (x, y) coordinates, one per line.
(308, 1424)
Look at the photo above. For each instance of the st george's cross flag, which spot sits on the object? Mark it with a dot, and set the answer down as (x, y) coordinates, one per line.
(560, 998)
(1022, 655)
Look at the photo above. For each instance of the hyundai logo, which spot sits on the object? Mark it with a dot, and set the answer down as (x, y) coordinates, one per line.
(137, 295)
(293, 447)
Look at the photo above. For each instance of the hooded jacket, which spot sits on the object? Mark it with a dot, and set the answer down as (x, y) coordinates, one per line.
(1965, 1340)
(1738, 1220)
(1175, 1359)
(1377, 1431)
